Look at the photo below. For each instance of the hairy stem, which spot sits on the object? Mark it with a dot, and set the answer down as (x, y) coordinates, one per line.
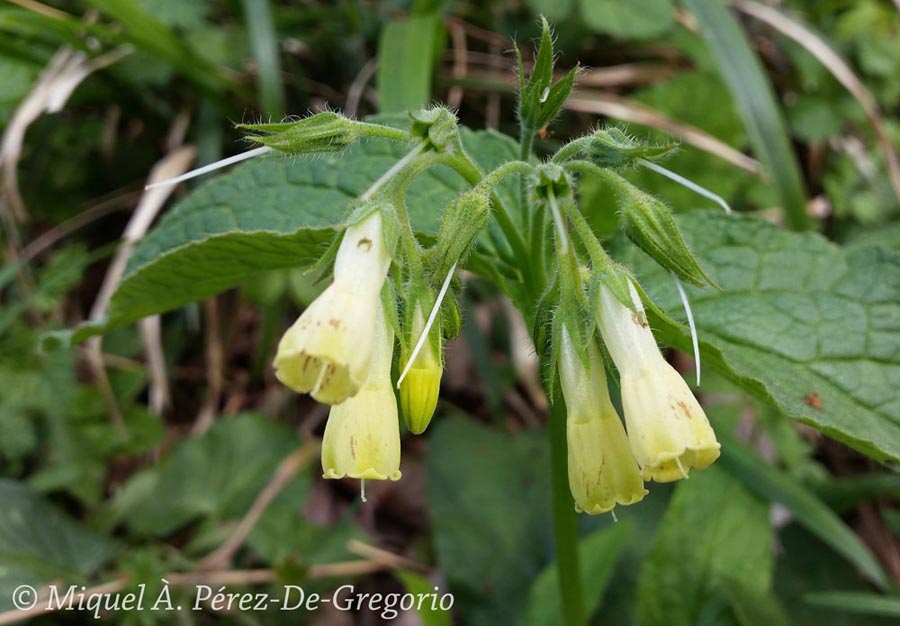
(565, 521)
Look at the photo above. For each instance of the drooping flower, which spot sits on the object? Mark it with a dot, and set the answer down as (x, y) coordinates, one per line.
(328, 349)
(420, 388)
(362, 436)
(667, 428)
(602, 469)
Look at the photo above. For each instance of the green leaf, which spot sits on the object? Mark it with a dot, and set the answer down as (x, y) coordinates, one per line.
(489, 489)
(599, 552)
(418, 585)
(857, 602)
(632, 19)
(405, 54)
(799, 322)
(213, 478)
(715, 536)
(39, 543)
(270, 213)
(756, 102)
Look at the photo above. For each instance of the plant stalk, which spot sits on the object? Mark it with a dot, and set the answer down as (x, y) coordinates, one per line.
(565, 521)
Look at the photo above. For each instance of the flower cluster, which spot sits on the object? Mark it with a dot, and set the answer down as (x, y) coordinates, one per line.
(340, 350)
(665, 432)
(384, 291)
(668, 433)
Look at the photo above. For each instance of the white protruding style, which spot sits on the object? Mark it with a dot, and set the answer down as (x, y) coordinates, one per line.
(212, 167)
(678, 178)
(431, 317)
(690, 317)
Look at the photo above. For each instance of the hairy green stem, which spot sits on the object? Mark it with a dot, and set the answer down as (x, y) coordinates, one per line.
(571, 150)
(468, 169)
(367, 129)
(565, 522)
(565, 519)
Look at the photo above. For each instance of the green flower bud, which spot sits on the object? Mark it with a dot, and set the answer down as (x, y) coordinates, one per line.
(322, 132)
(550, 178)
(420, 388)
(438, 125)
(613, 148)
(462, 221)
(451, 319)
(649, 223)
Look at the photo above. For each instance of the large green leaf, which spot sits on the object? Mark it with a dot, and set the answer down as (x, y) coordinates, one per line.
(715, 538)
(811, 327)
(39, 543)
(270, 213)
(488, 493)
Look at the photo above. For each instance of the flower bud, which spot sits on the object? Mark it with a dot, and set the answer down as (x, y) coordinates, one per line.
(420, 388)
(649, 223)
(328, 349)
(322, 132)
(668, 430)
(613, 148)
(438, 125)
(602, 469)
(463, 219)
(362, 435)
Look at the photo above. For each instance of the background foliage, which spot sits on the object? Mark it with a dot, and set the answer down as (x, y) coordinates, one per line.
(138, 457)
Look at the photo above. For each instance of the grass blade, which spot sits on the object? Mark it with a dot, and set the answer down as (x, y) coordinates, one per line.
(756, 103)
(817, 46)
(405, 55)
(770, 483)
(264, 42)
(856, 602)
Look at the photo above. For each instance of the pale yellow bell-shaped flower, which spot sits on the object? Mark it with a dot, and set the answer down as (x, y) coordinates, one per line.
(667, 428)
(421, 387)
(328, 349)
(602, 469)
(362, 435)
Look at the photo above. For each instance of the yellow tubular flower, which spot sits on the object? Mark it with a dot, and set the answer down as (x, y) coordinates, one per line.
(667, 428)
(362, 436)
(420, 389)
(328, 349)
(602, 469)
